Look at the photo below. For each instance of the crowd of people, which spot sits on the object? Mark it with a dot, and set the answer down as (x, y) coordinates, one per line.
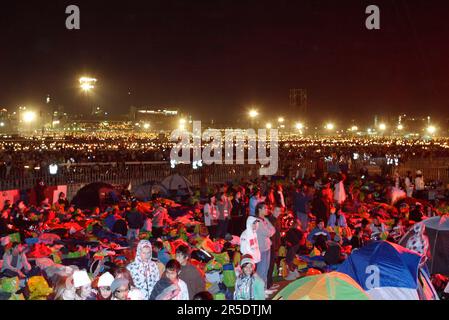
(20, 157)
(238, 241)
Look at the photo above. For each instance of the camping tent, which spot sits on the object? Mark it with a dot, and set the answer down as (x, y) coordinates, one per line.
(327, 286)
(176, 182)
(94, 195)
(437, 230)
(388, 271)
(144, 191)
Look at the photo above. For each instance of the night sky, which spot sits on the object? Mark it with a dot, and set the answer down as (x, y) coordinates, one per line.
(215, 58)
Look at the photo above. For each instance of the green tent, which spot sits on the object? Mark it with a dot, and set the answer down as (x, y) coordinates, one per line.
(327, 286)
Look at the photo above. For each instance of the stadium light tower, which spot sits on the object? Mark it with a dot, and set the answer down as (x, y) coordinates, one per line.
(87, 84)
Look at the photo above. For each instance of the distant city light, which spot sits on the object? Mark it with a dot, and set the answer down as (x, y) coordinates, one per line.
(382, 126)
(281, 119)
(354, 128)
(299, 125)
(330, 126)
(146, 126)
(182, 124)
(2, 124)
(400, 127)
(87, 83)
(431, 129)
(253, 113)
(56, 122)
(29, 116)
(268, 125)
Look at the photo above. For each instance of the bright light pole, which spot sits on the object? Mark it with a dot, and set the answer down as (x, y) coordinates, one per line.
(253, 113)
(382, 127)
(431, 129)
(299, 126)
(87, 84)
(182, 124)
(29, 116)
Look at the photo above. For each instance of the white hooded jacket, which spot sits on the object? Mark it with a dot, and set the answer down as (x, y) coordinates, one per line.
(248, 240)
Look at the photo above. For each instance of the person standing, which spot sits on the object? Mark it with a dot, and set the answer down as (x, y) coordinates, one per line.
(301, 202)
(159, 220)
(238, 214)
(224, 214)
(134, 219)
(340, 193)
(276, 244)
(419, 185)
(279, 204)
(264, 232)
(409, 184)
(320, 207)
(248, 239)
(253, 201)
(210, 217)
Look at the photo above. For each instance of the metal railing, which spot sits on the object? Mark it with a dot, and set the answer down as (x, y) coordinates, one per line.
(130, 172)
(137, 173)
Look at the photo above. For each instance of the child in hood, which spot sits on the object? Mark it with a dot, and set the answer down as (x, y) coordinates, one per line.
(248, 239)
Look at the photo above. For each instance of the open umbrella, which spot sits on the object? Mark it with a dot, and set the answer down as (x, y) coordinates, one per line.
(327, 286)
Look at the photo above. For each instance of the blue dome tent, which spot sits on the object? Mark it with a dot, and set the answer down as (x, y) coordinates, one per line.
(388, 271)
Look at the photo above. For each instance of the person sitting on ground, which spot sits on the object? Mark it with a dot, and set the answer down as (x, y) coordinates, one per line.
(203, 295)
(82, 284)
(249, 286)
(104, 291)
(333, 254)
(170, 286)
(120, 289)
(189, 273)
(397, 230)
(163, 255)
(417, 214)
(337, 218)
(134, 292)
(357, 239)
(319, 230)
(377, 228)
(15, 262)
(144, 271)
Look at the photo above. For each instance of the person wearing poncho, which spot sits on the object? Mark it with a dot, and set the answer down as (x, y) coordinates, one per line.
(249, 286)
(144, 272)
